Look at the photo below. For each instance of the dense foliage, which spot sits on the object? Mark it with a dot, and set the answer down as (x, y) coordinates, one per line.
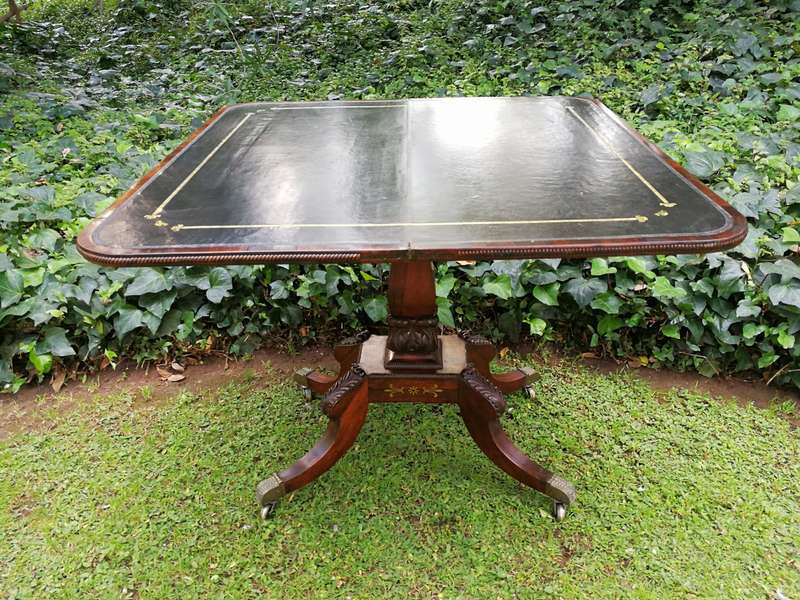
(89, 101)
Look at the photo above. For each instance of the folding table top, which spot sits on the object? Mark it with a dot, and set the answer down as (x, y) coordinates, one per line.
(438, 179)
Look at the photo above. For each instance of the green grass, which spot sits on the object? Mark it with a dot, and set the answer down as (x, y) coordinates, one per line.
(680, 496)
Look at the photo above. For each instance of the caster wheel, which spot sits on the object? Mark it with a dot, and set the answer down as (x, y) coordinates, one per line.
(268, 511)
(531, 392)
(559, 511)
(307, 392)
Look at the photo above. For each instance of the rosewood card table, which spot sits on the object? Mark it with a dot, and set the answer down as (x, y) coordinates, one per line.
(409, 182)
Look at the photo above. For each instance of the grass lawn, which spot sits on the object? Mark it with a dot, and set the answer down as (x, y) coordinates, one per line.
(679, 496)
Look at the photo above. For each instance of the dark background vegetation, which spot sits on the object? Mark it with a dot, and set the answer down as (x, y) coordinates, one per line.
(90, 99)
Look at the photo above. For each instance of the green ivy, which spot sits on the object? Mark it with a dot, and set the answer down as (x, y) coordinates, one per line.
(90, 101)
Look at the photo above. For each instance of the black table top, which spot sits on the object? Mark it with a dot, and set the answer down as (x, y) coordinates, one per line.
(439, 179)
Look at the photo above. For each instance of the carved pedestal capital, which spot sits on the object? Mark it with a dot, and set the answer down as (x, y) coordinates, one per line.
(412, 336)
(413, 344)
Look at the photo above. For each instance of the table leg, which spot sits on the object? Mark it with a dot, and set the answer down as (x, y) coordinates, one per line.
(480, 353)
(345, 404)
(346, 354)
(481, 404)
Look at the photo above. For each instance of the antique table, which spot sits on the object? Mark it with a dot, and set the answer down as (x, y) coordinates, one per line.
(409, 182)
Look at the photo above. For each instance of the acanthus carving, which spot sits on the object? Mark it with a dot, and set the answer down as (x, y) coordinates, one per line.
(356, 339)
(484, 388)
(474, 339)
(341, 392)
(412, 336)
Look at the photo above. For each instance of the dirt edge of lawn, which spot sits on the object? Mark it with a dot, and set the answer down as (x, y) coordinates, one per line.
(33, 408)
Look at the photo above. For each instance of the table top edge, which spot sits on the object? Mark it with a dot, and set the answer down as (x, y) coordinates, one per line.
(727, 237)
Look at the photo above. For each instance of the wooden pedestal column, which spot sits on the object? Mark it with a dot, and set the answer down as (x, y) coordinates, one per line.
(413, 343)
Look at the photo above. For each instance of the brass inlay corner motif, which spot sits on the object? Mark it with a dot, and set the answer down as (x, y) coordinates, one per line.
(662, 201)
(414, 390)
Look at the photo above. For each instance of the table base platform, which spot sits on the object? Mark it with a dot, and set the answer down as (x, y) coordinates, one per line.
(368, 374)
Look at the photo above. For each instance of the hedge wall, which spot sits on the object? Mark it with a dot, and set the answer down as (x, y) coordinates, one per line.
(88, 102)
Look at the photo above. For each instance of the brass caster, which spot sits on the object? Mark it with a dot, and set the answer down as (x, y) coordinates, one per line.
(531, 392)
(559, 511)
(301, 376)
(268, 510)
(307, 393)
(270, 491)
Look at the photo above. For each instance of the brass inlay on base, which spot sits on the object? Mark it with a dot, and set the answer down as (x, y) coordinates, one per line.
(414, 390)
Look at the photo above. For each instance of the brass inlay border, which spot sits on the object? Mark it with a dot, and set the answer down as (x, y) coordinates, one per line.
(159, 209)
(639, 218)
(606, 143)
(661, 199)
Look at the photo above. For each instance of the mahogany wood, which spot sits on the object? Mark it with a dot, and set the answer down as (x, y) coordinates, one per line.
(412, 290)
(476, 390)
(339, 437)
(490, 437)
(413, 343)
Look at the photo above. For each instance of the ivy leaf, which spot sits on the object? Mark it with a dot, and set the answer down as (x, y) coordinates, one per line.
(751, 330)
(88, 201)
(11, 286)
(663, 289)
(147, 281)
(445, 285)
(600, 267)
(220, 283)
(731, 270)
(704, 164)
(278, 290)
(787, 112)
(766, 360)
(55, 342)
(18, 310)
(785, 340)
(671, 330)
(547, 294)
(169, 322)
(128, 318)
(499, 286)
(44, 239)
(608, 302)
(444, 312)
(43, 194)
(32, 277)
(783, 267)
(291, 315)
(791, 236)
(41, 362)
(151, 321)
(638, 265)
(609, 323)
(785, 293)
(158, 304)
(744, 41)
(746, 308)
(583, 291)
(537, 326)
(376, 309)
